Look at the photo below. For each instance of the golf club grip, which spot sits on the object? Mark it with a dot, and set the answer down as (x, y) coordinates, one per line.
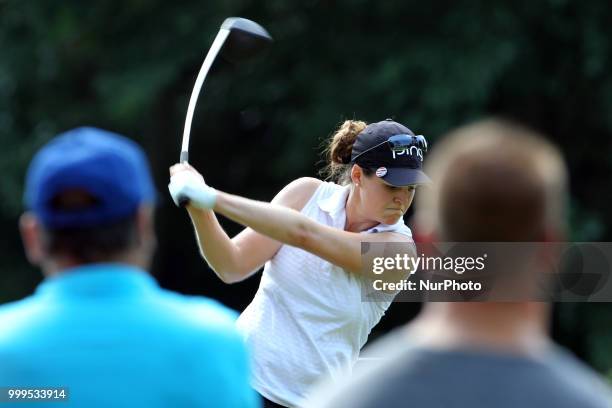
(183, 201)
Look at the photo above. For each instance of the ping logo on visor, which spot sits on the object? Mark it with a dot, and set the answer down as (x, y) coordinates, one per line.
(401, 150)
(407, 144)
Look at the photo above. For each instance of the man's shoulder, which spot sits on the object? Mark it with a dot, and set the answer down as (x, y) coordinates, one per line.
(394, 369)
(198, 328)
(176, 315)
(13, 312)
(17, 318)
(196, 313)
(577, 377)
(10, 309)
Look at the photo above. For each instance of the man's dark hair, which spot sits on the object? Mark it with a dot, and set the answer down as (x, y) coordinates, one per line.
(89, 244)
(93, 244)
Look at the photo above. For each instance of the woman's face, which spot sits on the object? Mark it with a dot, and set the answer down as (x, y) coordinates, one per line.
(383, 202)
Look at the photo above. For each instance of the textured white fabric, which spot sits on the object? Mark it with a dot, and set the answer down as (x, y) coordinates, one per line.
(307, 320)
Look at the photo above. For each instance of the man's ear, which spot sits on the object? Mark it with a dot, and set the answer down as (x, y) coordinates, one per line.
(356, 174)
(32, 238)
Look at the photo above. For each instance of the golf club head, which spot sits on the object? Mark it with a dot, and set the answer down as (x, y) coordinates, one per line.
(246, 39)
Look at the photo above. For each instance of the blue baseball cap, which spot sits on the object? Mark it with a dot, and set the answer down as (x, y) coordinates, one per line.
(111, 169)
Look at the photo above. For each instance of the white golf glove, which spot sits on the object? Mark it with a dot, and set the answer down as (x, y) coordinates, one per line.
(187, 188)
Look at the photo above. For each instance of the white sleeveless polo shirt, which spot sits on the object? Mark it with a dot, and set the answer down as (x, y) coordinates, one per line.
(307, 320)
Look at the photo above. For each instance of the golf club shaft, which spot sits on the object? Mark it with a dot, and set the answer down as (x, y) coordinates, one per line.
(208, 61)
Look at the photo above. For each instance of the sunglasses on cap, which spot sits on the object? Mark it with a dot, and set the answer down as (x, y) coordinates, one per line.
(399, 143)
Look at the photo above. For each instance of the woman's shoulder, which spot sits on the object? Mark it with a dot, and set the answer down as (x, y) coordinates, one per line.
(297, 193)
(306, 183)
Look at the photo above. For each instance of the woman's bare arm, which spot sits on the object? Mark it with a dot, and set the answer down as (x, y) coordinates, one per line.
(237, 258)
(290, 227)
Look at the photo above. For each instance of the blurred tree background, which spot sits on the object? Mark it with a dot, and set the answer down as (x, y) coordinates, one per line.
(129, 66)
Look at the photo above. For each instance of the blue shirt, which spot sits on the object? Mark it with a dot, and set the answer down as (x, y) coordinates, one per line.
(112, 337)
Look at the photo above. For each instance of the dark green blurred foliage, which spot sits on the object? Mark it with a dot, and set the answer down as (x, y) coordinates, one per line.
(129, 66)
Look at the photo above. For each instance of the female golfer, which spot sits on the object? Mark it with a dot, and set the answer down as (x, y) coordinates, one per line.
(307, 320)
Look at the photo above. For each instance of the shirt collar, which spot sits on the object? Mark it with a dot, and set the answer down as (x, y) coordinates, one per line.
(335, 205)
(98, 280)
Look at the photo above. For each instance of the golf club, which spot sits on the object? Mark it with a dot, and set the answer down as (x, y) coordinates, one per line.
(240, 39)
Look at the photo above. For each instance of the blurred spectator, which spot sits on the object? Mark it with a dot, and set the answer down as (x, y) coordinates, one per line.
(494, 181)
(99, 325)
